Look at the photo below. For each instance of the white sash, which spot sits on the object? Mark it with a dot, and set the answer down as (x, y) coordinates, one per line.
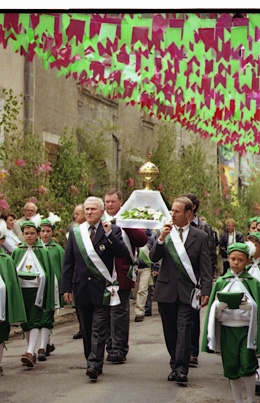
(133, 257)
(214, 325)
(2, 300)
(56, 288)
(254, 269)
(180, 249)
(41, 277)
(100, 265)
(184, 258)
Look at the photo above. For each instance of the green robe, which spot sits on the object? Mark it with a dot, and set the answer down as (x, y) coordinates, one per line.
(15, 308)
(57, 255)
(253, 287)
(15, 311)
(45, 261)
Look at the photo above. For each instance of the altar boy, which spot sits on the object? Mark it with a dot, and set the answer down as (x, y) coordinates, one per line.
(234, 331)
(11, 299)
(34, 268)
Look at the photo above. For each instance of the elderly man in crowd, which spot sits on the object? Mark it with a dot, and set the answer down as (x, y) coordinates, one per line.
(30, 210)
(90, 252)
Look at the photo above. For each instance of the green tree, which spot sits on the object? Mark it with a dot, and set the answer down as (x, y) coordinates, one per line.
(70, 178)
(22, 158)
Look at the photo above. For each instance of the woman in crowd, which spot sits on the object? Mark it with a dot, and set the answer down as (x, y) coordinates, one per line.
(11, 240)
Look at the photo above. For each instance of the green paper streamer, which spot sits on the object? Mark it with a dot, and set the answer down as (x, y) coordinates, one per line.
(24, 19)
(46, 25)
(173, 35)
(239, 37)
(107, 31)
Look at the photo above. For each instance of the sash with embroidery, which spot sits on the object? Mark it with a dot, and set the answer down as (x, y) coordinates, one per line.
(182, 262)
(42, 278)
(97, 266)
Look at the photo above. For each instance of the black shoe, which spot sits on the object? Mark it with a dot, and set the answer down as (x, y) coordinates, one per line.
(77, 335)
(49, 349)
(172, 376)
(257, 388)
(139, 318)
(109, 357)
(181, 378)
(41, 354)
(148, 314)
(92, 373)
(116, 358)
(193, 361)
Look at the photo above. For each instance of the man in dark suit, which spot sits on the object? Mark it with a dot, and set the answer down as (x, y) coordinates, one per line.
(227, 237)
(173, 290)
(90, 250)
(197, 223)
(118, 333)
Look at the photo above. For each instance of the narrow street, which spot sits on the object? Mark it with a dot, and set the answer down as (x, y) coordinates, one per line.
(142, 378)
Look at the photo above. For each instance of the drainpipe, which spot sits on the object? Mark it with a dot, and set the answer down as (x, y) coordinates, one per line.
(27, 91)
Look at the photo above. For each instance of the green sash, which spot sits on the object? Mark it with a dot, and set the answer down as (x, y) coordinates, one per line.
(177, 261)
(195, 297)
(145, 258)
(95, 272)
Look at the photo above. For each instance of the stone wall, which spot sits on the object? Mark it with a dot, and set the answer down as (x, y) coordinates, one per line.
(59, 105)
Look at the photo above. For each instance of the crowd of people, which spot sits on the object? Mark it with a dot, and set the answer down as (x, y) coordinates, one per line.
(100, 266)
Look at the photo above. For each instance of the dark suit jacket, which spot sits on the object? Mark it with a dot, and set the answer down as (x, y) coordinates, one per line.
(223, 242)
(169, 284)
(87, 288)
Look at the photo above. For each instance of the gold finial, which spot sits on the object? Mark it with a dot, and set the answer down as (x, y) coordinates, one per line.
(148, 172)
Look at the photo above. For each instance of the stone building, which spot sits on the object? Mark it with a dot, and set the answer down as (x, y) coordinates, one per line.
(55, 104)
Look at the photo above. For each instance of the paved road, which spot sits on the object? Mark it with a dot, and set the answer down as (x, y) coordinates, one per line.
(142, 379)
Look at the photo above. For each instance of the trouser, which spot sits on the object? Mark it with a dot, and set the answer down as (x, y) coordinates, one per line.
(148, 304)
(100, 323)
(4, 331)
(48, 319)
(33, 312)
(118, 332)
(85, 316)
(176, 320)
(141, 290)
(237, 359)
(76, 305)
(195, 334)
(226, 266)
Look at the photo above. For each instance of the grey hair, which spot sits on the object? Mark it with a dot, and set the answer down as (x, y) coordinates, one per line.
(94, 199)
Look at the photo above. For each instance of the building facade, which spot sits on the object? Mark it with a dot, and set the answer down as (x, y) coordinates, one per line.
(56, 105)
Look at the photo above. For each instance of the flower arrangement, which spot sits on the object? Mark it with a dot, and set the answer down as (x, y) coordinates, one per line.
(144, 213)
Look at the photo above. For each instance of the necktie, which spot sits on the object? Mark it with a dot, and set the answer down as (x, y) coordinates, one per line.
(180, 233)
(92, 232)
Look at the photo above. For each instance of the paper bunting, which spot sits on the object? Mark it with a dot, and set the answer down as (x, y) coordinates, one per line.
(200, 70)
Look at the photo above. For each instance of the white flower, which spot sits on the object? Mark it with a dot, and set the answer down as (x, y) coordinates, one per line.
(157, 215)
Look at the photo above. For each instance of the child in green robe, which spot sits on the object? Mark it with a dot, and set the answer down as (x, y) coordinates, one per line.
(234, 331)
(11, 300)
(34, 268)
(254, 270)
(57, 254)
